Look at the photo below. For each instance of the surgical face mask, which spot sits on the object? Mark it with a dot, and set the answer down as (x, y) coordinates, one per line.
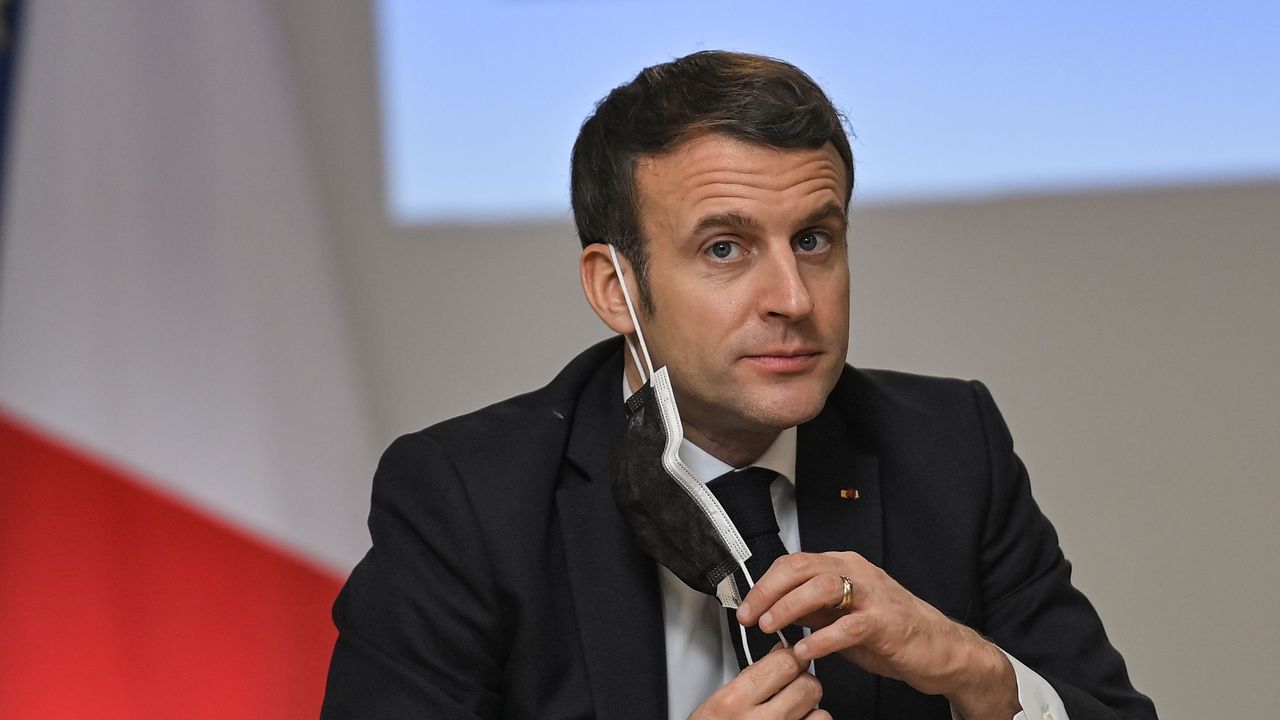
(672, 514)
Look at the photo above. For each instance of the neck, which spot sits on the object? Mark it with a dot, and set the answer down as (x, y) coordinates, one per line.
(737, 450)
(633, 375)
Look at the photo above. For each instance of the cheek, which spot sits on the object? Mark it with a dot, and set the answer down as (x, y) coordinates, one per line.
(835, 295)
(712, 317)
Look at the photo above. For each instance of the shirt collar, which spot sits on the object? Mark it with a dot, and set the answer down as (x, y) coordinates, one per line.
(779, 457)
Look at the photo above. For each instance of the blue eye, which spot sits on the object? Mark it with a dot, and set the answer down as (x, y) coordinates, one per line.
(723, 250)
(811, 242)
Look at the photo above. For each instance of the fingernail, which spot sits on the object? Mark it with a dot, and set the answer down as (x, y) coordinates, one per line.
(744, 610)
(766, 622)
(801, 649)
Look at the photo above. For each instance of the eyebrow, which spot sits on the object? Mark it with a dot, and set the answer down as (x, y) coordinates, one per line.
(736, 220)
(823, 213)
(728, 220)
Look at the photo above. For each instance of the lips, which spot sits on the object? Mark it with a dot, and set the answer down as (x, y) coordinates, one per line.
(784, 352)
(784, 360)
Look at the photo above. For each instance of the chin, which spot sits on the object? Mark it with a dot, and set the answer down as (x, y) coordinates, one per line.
(795, 395)
(779, 413)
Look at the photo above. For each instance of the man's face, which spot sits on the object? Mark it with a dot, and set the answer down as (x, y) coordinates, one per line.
(749, 276)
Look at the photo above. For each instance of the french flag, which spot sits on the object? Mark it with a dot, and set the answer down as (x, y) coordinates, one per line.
(185, 450)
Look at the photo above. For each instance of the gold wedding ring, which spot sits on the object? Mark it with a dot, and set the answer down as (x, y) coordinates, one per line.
(846, 600)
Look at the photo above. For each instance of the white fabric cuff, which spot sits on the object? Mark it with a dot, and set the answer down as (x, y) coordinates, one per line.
(1037, 697)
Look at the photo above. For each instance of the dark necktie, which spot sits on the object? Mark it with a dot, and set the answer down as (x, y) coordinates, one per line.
(744, 495)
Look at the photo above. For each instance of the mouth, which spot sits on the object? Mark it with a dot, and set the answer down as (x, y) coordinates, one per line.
(783, 360)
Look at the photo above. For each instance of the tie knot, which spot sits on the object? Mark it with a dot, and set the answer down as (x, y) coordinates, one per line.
(744, 495)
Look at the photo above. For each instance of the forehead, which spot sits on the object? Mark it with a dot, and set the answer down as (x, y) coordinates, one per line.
(714, 173)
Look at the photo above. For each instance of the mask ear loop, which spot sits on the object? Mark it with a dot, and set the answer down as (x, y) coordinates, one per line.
(742, 629)
(631, 310)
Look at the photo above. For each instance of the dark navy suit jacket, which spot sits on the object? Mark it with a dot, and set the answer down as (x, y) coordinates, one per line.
(503, 583)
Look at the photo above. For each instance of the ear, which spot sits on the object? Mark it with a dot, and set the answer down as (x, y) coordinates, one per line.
(602, 286)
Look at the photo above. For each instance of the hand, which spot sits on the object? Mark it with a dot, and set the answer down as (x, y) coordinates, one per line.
(776, 686)
(886, 630)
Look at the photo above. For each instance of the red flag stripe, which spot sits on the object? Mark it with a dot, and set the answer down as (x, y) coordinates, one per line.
(118, 602)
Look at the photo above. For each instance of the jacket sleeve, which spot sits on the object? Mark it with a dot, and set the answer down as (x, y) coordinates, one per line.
(417, 628)
(1032, 610)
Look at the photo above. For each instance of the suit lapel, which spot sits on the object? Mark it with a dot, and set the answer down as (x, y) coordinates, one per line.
(614, 584)
(829, 461)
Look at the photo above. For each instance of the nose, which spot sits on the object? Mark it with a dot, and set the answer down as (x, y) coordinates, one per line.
(784, 292)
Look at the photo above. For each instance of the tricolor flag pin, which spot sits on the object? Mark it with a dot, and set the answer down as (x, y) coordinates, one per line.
(850, 494)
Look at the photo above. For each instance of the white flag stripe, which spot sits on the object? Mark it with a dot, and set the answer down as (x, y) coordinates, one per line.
(167, 298)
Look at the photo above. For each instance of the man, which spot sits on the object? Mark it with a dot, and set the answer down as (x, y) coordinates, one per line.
(504, 581)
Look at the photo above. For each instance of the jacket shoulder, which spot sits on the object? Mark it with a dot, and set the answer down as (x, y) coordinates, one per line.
(520, 435)
(938, 421)
(902, 394)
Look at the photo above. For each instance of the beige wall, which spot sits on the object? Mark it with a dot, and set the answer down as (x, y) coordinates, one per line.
(1131, 338)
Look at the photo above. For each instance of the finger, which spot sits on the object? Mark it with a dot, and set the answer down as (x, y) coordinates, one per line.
(818, 714)
(810, 604)
(847, 631)
(797, 699)
(764, 678)
(785, 574)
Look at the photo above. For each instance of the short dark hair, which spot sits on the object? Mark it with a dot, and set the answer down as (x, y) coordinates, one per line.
(747, 97)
